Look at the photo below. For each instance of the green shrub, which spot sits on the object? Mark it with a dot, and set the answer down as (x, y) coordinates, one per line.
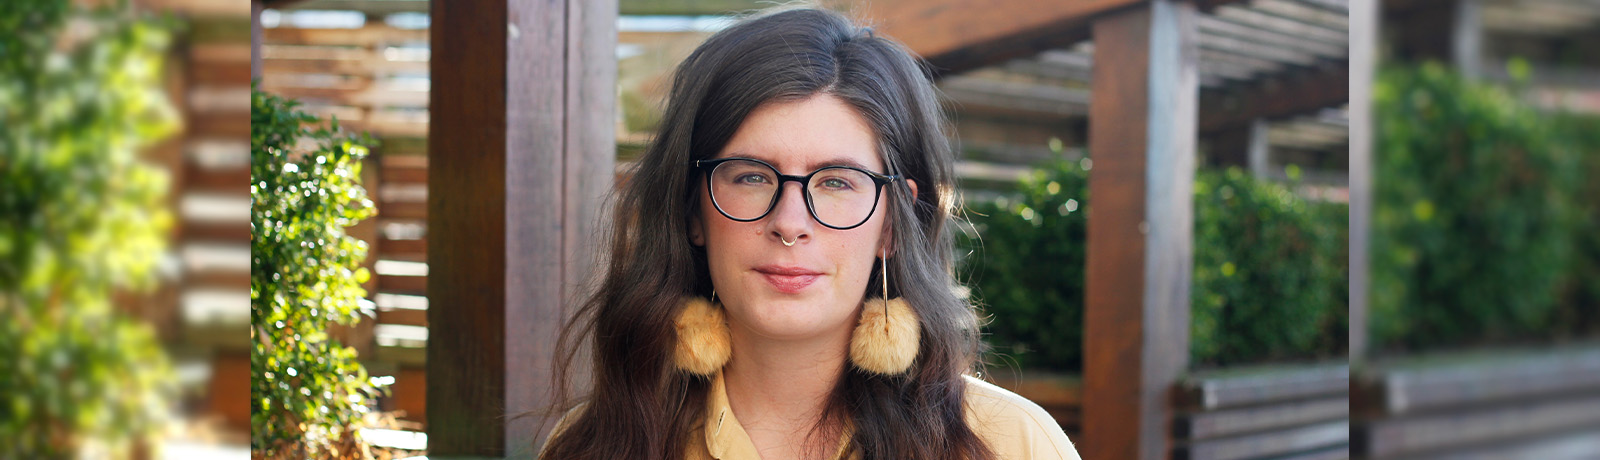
(1473, 219)
(83, 217)
(1270, 272)
(1579, 304)
(1269, 280)
(1026, 267)
(308, 391)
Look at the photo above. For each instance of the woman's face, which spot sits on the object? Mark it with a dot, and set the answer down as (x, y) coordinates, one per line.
(814, 287)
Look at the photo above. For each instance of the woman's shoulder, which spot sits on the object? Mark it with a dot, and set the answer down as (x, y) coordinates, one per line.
(1013, 426)
(561, 425)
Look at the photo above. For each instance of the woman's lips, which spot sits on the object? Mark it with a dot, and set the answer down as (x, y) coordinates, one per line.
(789, 280)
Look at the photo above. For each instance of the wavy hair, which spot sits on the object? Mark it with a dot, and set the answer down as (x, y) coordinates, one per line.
(639, 406)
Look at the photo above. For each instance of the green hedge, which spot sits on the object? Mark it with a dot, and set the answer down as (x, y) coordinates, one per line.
(1025, 267)
(308, 391)
(1483, 221)
(1269, 278)
(1270, 272)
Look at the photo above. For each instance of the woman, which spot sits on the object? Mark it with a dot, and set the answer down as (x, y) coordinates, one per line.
(800, 177)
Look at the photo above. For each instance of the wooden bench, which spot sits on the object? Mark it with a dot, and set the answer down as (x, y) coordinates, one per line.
(1273, 412)
(1502, 404)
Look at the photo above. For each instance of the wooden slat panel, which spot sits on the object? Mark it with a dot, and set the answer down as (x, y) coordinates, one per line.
(1516, 421)
(369, 35)
(403, 316)
(1273, 443)
(220, 74)
(218, 279)
(1485, 381)
(235, 125)
(407, 174)
(1257, 387)
(215, 231)
(353, 64)
(354, 96)
(403, 210)
(401, 284)
(406, 248)
(1213, 424)
(230, 180)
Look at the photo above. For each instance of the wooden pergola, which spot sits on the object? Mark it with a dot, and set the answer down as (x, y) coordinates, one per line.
(522, 148)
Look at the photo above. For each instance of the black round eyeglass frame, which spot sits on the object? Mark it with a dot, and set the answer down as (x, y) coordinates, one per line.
(879, 180)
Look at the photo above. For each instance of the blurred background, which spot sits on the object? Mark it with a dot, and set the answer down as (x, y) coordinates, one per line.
(1469, 225)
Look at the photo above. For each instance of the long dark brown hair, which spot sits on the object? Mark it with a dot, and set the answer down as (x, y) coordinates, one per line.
(639, 406)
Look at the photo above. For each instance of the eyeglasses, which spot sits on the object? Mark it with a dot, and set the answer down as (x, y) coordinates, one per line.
(746, 190)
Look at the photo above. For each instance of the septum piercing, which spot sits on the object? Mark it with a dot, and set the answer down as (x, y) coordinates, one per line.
(787, 242)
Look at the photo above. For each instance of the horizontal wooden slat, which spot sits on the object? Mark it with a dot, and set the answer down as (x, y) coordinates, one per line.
(217, 279)
(372, 34)
(220, 74)
(1498, 424)
(405, 356)
(1294, 440)
(403, 316)
(1257, 386)
(221, 232)
(356, 64)
(1478, 380)
(411, 174)
(1213, 424)
(403, 284)
(228, 180)
(235, 125)
(403, 210)
(403, 247)
(374, 96)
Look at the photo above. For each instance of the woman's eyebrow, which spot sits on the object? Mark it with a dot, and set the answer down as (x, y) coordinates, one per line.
(813, 166)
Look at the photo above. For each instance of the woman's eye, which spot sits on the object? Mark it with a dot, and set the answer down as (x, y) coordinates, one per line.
(834, 183)
(752, 179)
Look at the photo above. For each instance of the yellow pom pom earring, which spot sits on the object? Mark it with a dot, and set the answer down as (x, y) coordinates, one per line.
(885, 342)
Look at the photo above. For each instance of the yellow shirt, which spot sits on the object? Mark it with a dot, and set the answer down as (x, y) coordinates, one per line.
(1013, 427)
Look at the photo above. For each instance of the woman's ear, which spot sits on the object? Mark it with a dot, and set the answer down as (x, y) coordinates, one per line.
(888, 228)
(697, 231)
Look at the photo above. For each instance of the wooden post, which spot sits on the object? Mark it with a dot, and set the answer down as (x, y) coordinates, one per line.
(1363, 57)
(255, 39)
(1142, 123)
(521, 148)
(1466, 38)
(1260, 161)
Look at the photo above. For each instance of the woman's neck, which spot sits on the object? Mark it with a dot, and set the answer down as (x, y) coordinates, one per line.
(778, 389)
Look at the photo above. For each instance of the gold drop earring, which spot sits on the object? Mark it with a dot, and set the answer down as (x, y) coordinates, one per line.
(886, 340)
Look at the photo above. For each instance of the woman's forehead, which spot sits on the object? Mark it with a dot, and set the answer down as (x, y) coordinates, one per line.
(801, 136)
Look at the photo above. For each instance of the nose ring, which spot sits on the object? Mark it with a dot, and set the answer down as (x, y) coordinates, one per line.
(787, 242)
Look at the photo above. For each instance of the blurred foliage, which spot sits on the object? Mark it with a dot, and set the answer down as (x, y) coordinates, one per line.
(1580, 300)
(1475, 221)
(1027, 266)
(1269, 280)
(309, 393)
(81, 217)
(1271, 272)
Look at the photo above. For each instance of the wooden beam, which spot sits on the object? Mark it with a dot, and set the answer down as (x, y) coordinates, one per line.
(520, 152)
(1142, 139)
(1283, 96)
(959, 35)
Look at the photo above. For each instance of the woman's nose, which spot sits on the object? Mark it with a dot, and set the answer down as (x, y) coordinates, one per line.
(791, 220)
